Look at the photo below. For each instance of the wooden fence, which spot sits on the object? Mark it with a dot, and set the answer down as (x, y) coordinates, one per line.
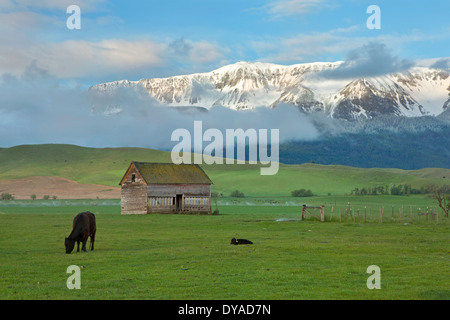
(381, 213)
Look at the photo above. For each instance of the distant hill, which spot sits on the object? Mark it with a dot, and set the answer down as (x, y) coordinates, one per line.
(85, 165)
(106, 166)
(405, 150)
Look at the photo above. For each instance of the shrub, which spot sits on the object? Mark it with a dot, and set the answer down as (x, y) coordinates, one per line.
(302, 193)
(7, 196)
(237, 194)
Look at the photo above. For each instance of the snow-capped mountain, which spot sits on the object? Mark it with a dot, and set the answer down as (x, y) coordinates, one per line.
(243, 85)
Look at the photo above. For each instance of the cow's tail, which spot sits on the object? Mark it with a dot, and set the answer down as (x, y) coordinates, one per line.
(92, 238)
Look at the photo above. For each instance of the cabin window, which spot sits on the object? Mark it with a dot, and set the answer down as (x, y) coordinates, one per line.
(133, 178)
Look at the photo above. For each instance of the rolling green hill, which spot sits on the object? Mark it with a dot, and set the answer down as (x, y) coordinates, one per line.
(107, 165)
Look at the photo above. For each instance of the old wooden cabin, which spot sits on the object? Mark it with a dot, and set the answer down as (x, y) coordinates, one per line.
(165, 188)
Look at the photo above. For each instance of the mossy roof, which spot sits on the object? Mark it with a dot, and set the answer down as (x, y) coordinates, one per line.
(168, 173)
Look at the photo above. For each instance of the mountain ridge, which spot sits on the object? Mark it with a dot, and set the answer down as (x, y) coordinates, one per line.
(415, 92)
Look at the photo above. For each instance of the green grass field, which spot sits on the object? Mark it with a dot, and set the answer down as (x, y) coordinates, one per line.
(190, 257)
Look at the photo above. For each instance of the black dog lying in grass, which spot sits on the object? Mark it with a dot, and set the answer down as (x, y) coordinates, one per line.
(240, 241)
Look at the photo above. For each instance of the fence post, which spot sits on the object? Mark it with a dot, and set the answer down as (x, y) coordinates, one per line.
(437, 216)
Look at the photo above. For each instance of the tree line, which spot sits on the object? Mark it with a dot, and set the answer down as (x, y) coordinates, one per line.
(397, 190)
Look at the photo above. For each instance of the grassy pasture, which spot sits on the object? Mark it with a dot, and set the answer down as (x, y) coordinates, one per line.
(189, 256)
(107, 166)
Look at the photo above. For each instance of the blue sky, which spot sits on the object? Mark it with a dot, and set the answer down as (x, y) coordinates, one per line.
(45, 68)
(142, 39)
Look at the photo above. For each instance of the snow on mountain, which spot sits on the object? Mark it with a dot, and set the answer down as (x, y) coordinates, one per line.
(243, 85)
(430, 87)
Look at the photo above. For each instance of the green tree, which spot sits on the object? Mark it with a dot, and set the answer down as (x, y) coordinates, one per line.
(237, 194)
(302, 193)
(7, 196)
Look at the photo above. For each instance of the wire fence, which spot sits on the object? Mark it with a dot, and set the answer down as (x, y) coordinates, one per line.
(380, 214)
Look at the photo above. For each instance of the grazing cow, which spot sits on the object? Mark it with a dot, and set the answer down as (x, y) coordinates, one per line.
(84, 226)
(240, 241)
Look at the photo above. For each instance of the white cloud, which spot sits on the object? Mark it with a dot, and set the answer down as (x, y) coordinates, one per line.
(206, 52)
(40, 34)
(81, 59)
(328, 46)
(282, 8)
(436, 63)
(443, 63)
(22, 25)
(372, 59)
(29, 5)
(78, 58)
(305, 47)
(200, 52)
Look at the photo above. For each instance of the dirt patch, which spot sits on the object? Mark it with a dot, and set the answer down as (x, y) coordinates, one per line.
(59, 187)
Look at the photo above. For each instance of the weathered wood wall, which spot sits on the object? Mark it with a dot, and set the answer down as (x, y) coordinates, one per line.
(134, 194)
(163, 198)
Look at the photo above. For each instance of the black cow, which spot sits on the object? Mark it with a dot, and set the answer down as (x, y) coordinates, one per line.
(84, 226)
(240, 241)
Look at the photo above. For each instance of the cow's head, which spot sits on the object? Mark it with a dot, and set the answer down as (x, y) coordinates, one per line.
(233, 241)
(69, 245)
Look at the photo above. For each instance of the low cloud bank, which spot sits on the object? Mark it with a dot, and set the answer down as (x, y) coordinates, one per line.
(35, 108)
(370, 60)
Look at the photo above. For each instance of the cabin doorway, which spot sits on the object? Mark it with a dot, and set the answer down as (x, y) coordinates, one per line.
(179, 202)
